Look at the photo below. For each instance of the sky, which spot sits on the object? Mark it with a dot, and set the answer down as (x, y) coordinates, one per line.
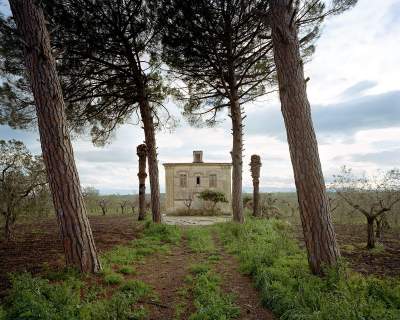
(354, 90)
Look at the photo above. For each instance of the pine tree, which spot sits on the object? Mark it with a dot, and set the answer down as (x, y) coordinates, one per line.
(69, 204)
(108, 61)
(285, 19)
(220, 51)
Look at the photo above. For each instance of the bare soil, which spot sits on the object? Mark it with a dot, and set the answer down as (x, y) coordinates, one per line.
(166, 273)
(241, 286)
(382, 262)
(352, 241)
(37, 245)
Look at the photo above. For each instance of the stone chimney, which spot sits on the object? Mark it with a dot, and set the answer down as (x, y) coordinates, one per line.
(197, 156)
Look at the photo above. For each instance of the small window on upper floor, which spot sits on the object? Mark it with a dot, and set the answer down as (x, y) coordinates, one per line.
(183, 180)
(197, 181)
(213, 180)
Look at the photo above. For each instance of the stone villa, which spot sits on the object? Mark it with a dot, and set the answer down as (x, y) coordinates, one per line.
(184, 180)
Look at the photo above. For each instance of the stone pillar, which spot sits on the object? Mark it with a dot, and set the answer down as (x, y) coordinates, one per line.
(142, 154)
(255, 165)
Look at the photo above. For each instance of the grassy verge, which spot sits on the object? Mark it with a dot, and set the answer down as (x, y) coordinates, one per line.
(200, 240)
(155, 238)
(280, 270)
(111, 295)
(203, 284)
(208, 298)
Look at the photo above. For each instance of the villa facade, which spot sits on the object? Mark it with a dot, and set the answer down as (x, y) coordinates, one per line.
(183, 181)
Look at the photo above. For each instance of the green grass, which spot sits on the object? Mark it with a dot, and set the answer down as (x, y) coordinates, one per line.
(127, 270)
(280, 270)
(137, 286)
(155, 238)
(37, 298)
(162, 232)
(113, 278)
(62, 295)
(2, 313)
(200, 240)
(209, 299)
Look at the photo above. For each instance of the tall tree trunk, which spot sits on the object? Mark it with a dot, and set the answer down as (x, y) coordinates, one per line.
(142, 154)
(150, 139)
(318, 229)
(378, 233)
(255, 165)
(370, 233)
(8, 226)
(237, 160)
(78, 242)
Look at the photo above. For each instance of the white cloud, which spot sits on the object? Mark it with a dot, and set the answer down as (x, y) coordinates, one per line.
(357, 57)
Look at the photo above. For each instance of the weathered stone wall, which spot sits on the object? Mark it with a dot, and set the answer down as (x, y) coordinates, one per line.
(176, 195)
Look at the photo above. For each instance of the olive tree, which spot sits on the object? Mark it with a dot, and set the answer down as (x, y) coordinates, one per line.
(103, 204)
(22, 174)
(372, 196)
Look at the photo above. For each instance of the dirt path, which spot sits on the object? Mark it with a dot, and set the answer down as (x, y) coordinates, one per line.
(166, 273)
(241, 286)
(195, 221)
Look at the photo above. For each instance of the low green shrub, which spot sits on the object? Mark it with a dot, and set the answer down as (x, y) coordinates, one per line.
(127, 270)
(214, 258)
(162, 232)
(61, 274)
(280, 270)
(136, 289)
(118, 307)
(113, 278)
(35, 298)
(199, 268)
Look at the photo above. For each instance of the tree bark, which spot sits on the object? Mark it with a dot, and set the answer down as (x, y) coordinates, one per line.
(319, 235)
(370, 233)
(378, 232)
(150, 139)
(237, 161)
(8, 227)
(77, 238)
(142, 154)
(255, 165)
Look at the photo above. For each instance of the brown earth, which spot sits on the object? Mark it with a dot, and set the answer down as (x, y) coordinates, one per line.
(166, 274)
(352, 241)
(241, 286)
(37, 245)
